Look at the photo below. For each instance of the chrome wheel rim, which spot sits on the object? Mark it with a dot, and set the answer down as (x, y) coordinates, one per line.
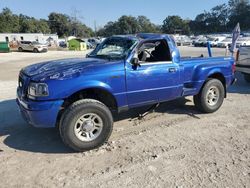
(213, 96)
(88, 127)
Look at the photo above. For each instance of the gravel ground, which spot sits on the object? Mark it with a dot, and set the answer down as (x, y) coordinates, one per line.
(176, 146)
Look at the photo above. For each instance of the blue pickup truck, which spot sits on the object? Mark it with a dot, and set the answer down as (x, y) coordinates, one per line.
(79, 96)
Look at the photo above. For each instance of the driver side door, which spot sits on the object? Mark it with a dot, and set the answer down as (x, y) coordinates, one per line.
(152, 81)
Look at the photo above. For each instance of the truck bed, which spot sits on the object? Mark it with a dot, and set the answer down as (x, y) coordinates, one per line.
(195, 71)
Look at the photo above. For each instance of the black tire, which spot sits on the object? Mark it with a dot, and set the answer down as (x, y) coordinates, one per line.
(247, 77)
(35, 50)
(201, 100)
(20, 49)
(73, 113)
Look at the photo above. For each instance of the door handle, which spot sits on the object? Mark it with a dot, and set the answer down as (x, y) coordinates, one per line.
(172, 70)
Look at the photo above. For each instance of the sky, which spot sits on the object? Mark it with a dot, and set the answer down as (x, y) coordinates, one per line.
(102, 11)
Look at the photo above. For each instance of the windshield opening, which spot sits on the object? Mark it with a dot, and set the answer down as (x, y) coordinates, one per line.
(114, 48)
(36, 43)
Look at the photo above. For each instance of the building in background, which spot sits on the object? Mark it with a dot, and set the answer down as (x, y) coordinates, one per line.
(14, 38)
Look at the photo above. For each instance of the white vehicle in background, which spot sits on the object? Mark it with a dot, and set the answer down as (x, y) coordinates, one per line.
(225, 43)
(183, 40)
(214, 41)
(32, 46)
(200, 42)
(94, 42)
(244, 41)
(243, 62)
(102, 39)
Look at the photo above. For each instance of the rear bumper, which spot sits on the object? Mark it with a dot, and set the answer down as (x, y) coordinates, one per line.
(40, 114)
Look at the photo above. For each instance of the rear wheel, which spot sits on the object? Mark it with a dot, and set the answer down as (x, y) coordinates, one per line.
(247, 77)
(210, 97)
(86, 125)
(20, 49)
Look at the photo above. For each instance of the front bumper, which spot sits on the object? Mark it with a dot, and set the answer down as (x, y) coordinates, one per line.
(40, 113)
(42, 49)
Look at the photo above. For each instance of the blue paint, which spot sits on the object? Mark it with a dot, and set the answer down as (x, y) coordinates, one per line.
(130, 86)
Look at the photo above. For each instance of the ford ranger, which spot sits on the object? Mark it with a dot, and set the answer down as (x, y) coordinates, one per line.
(123, 72)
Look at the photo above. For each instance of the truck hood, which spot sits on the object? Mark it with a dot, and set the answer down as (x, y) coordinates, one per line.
(68, 68)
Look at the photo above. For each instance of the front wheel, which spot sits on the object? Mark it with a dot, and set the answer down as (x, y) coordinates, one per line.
(86, 125)
(210, 97)
(35, 50)
(247, 77)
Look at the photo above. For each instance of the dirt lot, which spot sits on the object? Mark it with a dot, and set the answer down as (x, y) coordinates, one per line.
(174, 147)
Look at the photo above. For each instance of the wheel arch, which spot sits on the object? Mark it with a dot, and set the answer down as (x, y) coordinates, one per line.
(101, 94)
(97, 93)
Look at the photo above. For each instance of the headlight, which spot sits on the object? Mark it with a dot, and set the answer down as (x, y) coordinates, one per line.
(38, 89)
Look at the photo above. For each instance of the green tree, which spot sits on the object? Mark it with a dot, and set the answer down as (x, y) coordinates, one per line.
(174, 24)
(80, 30)
(59, 23)
(211, 22)
(32, 25)
(218, 18)
(146, 26)
(111, 28)
(9, 22)
(65, 25)
(199, 25)
(239, 12)
(77, 28)
(42, 26)
(128, 25)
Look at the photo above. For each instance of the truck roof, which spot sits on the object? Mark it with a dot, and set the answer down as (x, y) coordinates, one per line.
(143, 36)
(151, 35)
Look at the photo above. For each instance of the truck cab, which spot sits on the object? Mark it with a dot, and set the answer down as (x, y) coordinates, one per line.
(153, 72)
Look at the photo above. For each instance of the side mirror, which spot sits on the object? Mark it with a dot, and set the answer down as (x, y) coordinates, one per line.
(135, 62)
(87, 55)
